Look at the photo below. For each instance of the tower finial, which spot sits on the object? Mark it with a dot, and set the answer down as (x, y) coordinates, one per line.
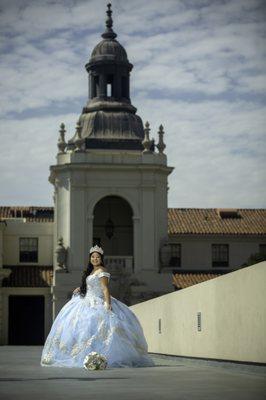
(109, 33)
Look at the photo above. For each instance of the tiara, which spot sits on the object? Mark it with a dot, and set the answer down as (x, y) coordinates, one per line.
(97, 249)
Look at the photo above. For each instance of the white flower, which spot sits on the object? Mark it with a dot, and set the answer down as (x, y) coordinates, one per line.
(95, 361)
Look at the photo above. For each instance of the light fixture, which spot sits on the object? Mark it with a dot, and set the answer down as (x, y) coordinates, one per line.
(109, 225)
(109, 228)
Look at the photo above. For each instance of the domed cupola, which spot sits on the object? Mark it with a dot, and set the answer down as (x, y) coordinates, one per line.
(109, 50)
(109, 120)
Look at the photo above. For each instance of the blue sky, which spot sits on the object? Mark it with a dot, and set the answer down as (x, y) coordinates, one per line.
(199, 69)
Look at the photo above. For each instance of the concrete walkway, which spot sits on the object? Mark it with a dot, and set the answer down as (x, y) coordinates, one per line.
(22, 377)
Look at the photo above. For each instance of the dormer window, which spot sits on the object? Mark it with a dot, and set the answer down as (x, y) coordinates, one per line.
(228, 213)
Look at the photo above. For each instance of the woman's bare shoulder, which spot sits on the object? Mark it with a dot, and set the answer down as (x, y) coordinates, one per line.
(103, 269)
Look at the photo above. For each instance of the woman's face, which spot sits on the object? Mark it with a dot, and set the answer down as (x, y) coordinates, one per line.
(96, 259)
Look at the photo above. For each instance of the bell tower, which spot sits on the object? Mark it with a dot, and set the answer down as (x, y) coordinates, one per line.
(110, 184)
(109, 120)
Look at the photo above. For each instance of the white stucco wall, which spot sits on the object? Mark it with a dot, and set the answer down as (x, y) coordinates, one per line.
(233, 314)
(17, 228)
(196, 250)
(83, 179)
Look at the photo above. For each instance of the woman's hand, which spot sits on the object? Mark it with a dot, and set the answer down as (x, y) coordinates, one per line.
(77, 290)
(108, 306)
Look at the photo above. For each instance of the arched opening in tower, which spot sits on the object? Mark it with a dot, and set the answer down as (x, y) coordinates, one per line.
(113, 226)
(110, 89)
(113, 231)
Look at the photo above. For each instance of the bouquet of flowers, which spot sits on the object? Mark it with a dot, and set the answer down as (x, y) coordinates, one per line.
(95, 361)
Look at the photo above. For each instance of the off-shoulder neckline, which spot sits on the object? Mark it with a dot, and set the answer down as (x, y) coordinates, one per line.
(98, 273)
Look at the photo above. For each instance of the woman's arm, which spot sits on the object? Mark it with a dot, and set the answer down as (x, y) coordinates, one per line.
(106, 293)
(77, 290)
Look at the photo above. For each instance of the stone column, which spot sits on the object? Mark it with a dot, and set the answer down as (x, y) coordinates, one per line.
(148, 226)
(103, 86)
(89, 233)
(137, 244)
(128, 87)
(91, 86)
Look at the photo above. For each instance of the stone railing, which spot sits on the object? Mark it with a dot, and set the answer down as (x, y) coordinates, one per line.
(119, 263)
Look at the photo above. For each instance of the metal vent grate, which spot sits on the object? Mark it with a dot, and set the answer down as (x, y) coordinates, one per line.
(160, 325)
(199, 321)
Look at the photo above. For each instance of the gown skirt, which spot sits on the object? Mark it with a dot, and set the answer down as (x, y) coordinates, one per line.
(84, 325)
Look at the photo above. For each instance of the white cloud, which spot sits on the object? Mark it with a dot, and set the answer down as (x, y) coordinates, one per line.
(28, 151)
(217, 149)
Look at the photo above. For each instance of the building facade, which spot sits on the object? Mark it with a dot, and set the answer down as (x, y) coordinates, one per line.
(201, 244)
(26, 274)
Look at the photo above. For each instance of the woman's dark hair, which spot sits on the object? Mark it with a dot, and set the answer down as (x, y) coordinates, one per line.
(87, 272)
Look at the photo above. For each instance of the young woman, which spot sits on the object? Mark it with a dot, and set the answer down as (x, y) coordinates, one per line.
(93, 320)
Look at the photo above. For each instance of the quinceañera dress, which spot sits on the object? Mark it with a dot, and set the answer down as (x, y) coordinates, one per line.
(84, 325)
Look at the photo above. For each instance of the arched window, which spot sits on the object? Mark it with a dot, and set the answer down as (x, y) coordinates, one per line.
(109, 88)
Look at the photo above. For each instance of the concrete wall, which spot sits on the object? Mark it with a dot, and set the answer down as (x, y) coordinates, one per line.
(233, 312)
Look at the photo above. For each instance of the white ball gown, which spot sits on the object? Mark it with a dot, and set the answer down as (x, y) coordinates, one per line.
(84, 325)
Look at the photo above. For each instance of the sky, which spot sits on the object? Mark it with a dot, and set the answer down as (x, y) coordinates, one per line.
(199, 70)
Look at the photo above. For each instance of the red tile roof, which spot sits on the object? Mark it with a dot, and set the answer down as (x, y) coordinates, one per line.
(181, 221)
(29, 276)
(185, 279)
(216, 221)
(31, 213)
